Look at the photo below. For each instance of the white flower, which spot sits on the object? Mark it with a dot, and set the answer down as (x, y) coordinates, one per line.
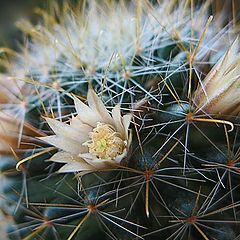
(94, 139)
(220, 91)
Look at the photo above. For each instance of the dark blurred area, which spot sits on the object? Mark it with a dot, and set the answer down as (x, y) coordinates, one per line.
(13, 10)
(10, 12)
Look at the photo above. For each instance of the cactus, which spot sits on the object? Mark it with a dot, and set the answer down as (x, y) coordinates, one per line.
(120, 120)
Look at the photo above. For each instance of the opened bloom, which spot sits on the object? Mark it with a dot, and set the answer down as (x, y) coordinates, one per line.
(94, 139)
(220, 92)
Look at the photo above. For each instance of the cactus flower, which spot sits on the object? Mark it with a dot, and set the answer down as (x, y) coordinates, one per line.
(94, 139)
(220, 92)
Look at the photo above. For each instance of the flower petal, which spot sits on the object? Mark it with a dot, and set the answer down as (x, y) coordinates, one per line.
(79, 134)
(63, 157)
(218, 94)
(96, 104)
(104, 164)
(73, 163)
(117, 118)
(67, 145)
(75, 167)
(230, 98)
(98, 163)
(86, 114)
(126, 120)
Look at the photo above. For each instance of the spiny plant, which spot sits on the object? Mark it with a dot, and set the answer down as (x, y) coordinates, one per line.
(120, 120)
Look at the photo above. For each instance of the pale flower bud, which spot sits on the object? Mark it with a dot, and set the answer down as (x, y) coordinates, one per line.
(220, 91)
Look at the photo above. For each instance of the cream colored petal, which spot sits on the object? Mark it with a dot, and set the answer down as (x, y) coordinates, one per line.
(98, 163)
(88, 157)
(67, 145)
(104, 164)
(218, 83)
(80, 134)
(63, 157)
(117, 118)
(76, 123)
(222, 65)
(73, 162)
(126, 120)
(96, 104)
(227, 102)
(86, 114)
(75, 167)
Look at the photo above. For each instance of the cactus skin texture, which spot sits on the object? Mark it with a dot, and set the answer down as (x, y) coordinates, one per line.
(180, 178)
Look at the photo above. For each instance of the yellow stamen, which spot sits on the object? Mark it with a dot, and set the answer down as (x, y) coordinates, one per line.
(102, 144)
(105, 142)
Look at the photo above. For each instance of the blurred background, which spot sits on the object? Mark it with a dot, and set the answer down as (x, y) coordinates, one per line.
(13, 10)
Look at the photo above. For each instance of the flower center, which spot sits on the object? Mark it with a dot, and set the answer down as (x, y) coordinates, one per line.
(105, 142)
